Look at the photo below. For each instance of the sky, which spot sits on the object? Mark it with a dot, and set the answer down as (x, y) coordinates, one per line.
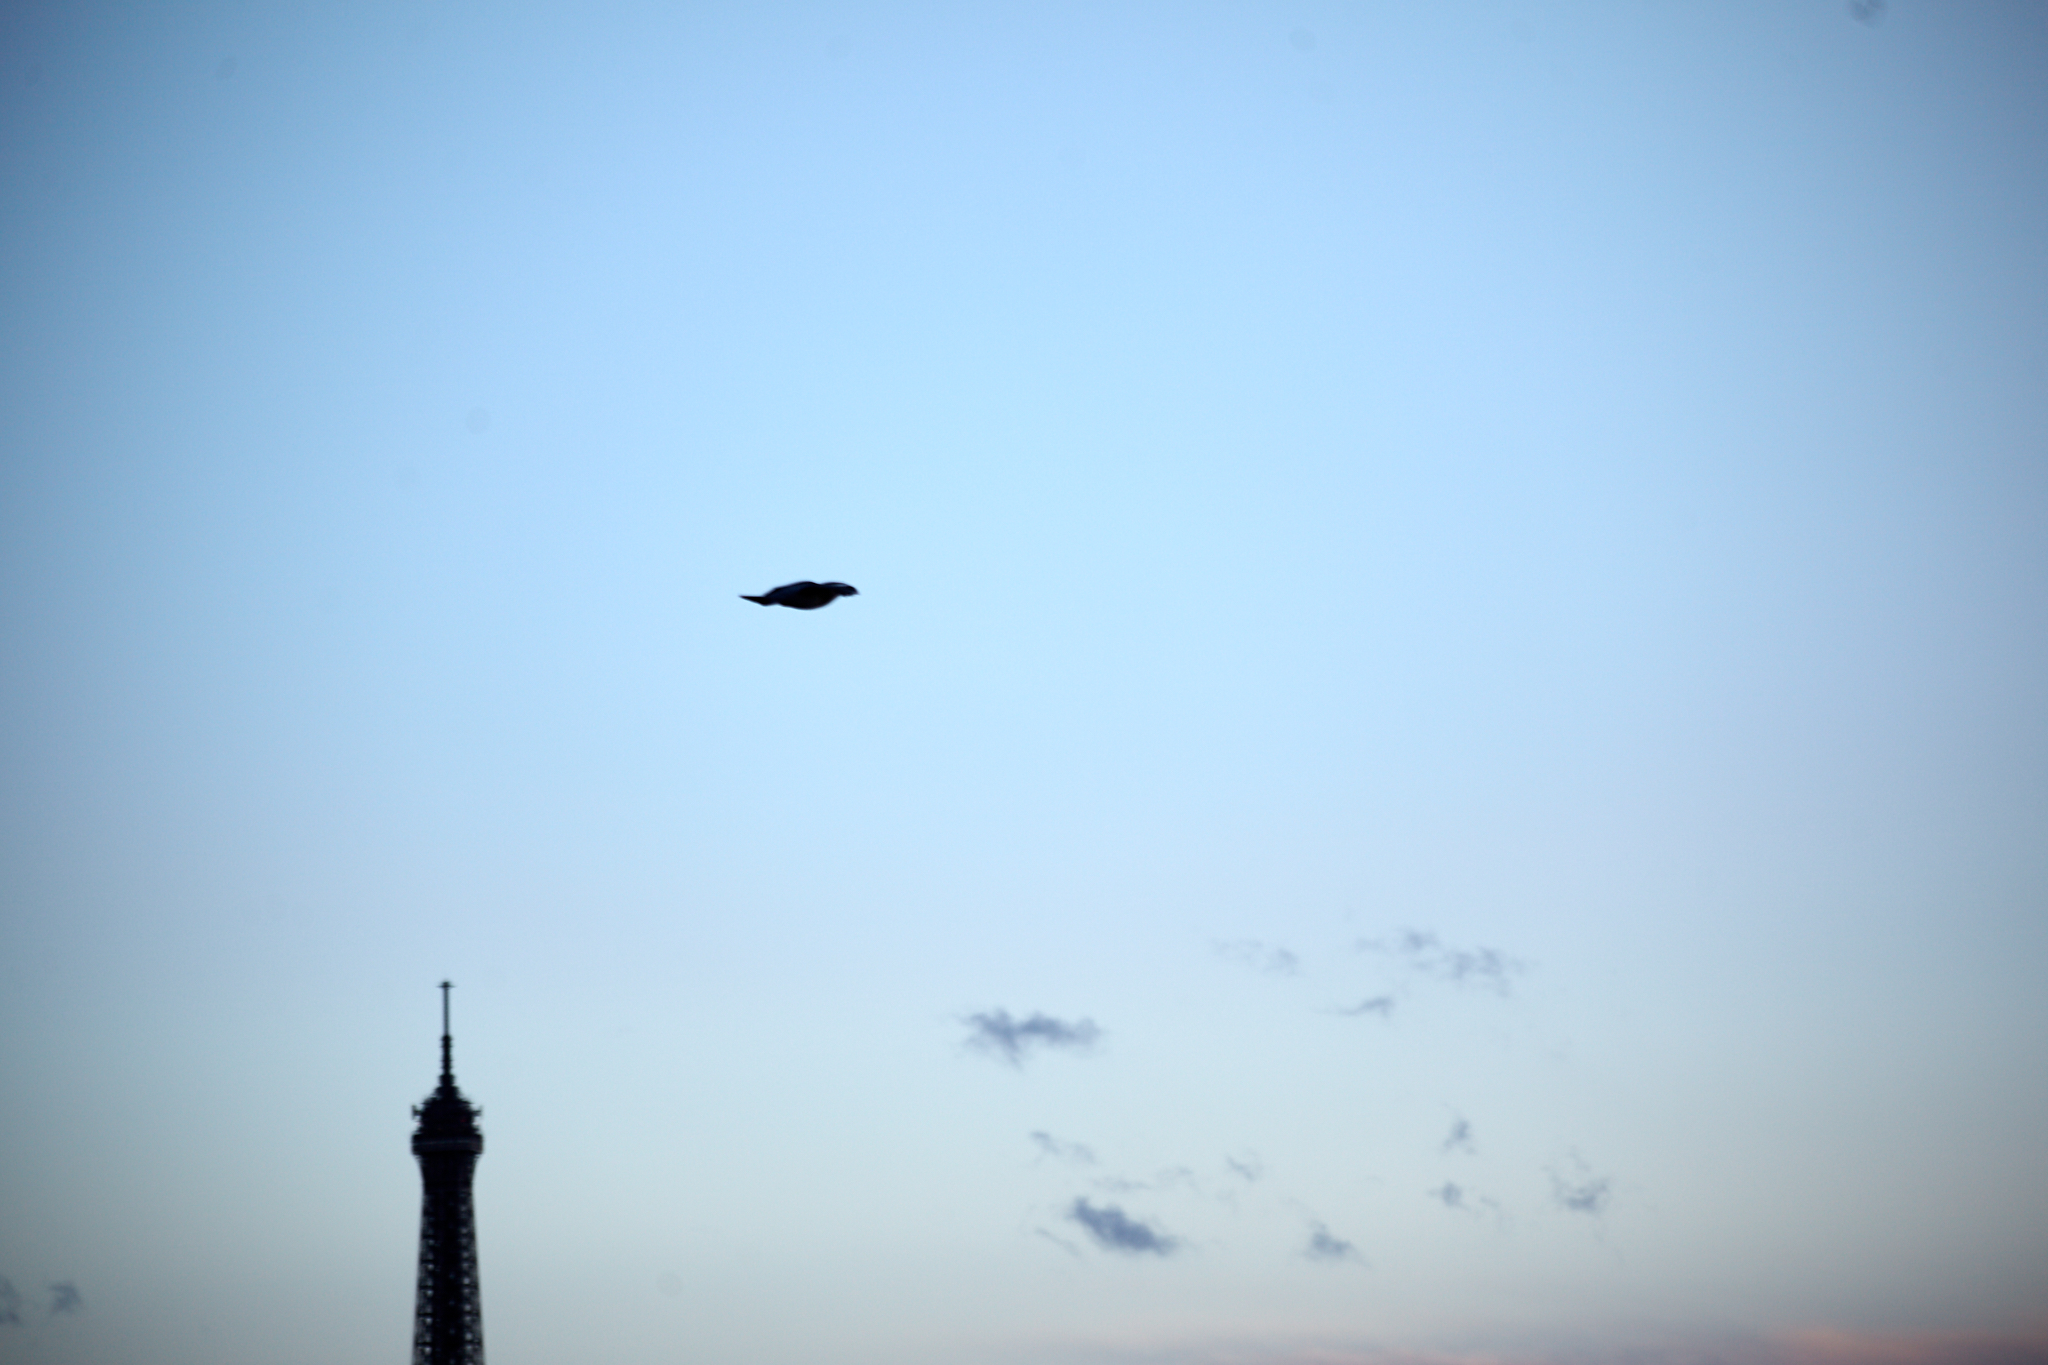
(1441, 757)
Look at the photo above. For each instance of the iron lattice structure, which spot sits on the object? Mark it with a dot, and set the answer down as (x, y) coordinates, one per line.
(448, 1315)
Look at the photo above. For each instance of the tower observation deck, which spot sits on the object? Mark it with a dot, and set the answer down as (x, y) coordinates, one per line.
(448, 1317)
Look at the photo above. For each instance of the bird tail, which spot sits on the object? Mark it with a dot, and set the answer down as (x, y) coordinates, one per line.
(762, 600)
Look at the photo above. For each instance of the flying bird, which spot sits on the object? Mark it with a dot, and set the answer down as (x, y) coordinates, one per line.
(804, 596)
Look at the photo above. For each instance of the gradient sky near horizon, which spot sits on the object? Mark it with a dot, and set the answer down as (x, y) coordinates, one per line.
(1442, 755)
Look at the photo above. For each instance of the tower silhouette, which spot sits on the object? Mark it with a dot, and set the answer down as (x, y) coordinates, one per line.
(448, 1315)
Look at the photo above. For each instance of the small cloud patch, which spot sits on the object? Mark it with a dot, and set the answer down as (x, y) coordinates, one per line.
(1458, 1199)
(1581, 1191)
(1323, 1245)
(1589, 1196)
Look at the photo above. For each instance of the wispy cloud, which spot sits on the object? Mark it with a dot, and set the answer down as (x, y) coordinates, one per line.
(1588, 1197)
(1459, 1139)
(1115, 1230)
(1073, 1153)
(1323, 1245)
(64, 1298)
(1010, 1038)
(1457, 1198)
(1581, 1191)
(1484, 968)
(1170, 1178)
(1062, 1243)
(1382, 1005)
(1249, 1165)
(1260, 957)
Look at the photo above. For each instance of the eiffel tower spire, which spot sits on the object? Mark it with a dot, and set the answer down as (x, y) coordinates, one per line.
(448, 1318)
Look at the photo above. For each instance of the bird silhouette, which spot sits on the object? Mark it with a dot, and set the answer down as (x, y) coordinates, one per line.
(804, 596)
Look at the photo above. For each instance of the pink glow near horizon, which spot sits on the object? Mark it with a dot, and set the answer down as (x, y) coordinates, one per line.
(1803, 1346)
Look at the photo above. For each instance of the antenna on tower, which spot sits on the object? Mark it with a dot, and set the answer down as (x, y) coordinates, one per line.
(447, 1038)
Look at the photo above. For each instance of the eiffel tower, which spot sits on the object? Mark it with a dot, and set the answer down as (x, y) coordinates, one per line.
(448, 1315)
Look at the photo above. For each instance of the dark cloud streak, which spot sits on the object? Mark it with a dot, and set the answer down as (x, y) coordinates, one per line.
(1114, 1230)
(1011, 1038)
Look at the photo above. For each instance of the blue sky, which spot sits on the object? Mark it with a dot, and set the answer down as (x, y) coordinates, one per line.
(1440, 757)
